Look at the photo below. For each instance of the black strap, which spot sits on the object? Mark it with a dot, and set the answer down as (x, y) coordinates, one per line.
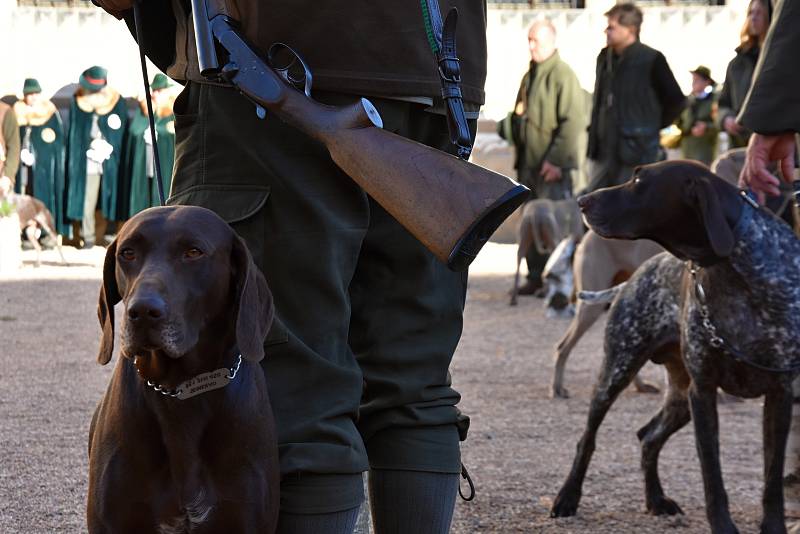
(137, 17)
(450, 76)
(465, 476)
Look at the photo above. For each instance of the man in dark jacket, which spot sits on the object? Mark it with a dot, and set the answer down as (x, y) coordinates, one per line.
(367, 319)
(544, 127)
(635, 95)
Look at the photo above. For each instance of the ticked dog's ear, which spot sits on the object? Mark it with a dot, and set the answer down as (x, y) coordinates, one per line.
(255, 309)
(707, 202)
(109, 296)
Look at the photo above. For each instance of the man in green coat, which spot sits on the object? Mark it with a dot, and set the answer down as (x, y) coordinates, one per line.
(41, 170)
(696, 123)
(98, 120)
(139, 163)
(544, 127)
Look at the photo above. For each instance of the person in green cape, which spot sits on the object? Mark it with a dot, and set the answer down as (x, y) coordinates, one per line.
(41, 169)
(98, 121)
(139, 165)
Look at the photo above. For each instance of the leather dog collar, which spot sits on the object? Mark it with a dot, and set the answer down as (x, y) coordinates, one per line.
(198, 384)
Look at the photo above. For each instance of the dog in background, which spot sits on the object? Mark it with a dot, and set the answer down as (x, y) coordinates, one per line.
(544, 224)
(599, 264)
(33, 216)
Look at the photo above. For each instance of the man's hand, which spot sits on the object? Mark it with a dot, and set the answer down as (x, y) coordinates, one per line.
(550, 172)
(731, 126)
(761, 150)
(699, 129)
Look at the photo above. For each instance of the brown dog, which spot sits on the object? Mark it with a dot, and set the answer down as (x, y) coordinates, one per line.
(184, 438)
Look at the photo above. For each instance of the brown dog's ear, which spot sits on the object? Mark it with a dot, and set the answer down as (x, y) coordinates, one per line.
(718, 230)
(255, 309)
(109, 296)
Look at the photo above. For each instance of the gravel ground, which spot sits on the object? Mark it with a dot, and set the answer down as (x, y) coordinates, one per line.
(519, 450)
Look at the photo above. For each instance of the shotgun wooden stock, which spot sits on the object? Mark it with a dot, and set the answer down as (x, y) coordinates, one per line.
(450, 205)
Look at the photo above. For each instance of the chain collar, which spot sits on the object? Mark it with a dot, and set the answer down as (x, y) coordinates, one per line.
(198, 384)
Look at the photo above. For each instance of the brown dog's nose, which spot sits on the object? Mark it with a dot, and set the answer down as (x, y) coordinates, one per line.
(584, 201)
(149, 308)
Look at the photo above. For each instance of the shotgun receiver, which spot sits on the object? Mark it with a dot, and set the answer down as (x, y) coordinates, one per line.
(450, 205)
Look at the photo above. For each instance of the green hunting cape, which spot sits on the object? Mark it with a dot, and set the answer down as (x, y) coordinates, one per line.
(41, 125)
(113, 121)
(143, 190)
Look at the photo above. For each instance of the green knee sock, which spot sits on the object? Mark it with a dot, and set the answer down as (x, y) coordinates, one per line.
(332, 523)
(412, 501)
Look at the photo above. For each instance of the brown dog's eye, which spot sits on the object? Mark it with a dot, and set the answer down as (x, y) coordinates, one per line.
(193, 253)
(127, 254)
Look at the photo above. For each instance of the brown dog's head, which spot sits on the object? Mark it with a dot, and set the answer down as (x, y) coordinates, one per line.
(185, 279)
(679, 204)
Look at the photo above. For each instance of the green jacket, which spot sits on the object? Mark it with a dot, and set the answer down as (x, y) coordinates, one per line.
(42, 132)
(144, 190)
(113, 121)
(701, 148)
(547, 119)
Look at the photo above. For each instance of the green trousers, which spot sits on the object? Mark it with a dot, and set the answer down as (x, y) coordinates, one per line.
(367, 319)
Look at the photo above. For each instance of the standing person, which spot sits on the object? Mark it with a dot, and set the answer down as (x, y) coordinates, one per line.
(772, 112)
(9, 147)
(696, 122)
(544, 127)
(739, 73)
(97, 121)
(139, 163)
(367, 318)
(635, 95)
(41, 170)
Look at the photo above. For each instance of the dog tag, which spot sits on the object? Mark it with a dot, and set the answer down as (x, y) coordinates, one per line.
(203, 383)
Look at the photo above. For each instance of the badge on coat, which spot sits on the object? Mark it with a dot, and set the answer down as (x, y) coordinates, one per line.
(170, 127)
(114, 122)
(48, 135)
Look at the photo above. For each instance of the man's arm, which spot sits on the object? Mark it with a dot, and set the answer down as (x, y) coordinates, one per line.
(11, 135)
(669, 92)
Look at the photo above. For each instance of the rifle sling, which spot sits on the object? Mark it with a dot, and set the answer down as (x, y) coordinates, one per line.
(443, 44)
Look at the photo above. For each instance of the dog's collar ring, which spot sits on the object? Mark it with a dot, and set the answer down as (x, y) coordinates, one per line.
(201, 383)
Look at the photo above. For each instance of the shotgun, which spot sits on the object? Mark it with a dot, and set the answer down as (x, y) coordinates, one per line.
(450, 205)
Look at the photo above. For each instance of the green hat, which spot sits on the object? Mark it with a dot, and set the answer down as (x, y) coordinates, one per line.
(93, 79)
(160, 81)
(704, 72)
(31, 86)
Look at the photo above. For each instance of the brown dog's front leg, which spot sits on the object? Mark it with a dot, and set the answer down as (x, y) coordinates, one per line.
(777, 421)
(703, 403)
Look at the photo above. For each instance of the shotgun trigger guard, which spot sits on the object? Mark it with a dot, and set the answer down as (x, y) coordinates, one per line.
(290, 66)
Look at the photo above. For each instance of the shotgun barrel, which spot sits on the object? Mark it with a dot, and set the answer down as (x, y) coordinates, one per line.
(450, 205)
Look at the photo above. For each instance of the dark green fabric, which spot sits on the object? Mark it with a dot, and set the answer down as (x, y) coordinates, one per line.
(773, 105)
(550, 105)
(368, 319)
(703, 148)
(31, 85)
(738, 77)
(80, 123)
(144, 191)
(46, 178)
